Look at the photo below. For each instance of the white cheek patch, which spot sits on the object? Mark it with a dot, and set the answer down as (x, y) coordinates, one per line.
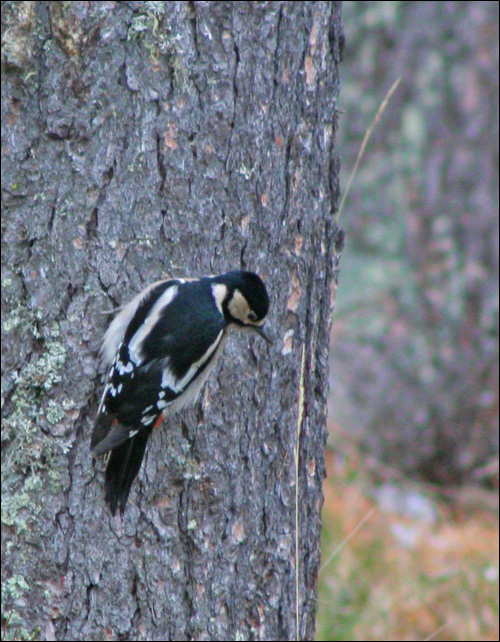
(238, 307)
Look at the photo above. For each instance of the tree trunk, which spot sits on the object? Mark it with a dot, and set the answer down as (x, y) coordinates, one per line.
(142, 139)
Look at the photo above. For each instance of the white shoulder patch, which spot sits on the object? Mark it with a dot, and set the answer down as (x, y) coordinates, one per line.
(135, 345)
(116, 331)
(219, 291)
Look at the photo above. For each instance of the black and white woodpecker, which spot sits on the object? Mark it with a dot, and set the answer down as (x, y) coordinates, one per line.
(158, 352)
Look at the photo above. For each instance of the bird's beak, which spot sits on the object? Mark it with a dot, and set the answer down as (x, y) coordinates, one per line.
(259, 330)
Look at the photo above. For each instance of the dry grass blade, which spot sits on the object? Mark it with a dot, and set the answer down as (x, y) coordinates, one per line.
(351, 534)
(366, 138)
(436, 632)
(300, 417)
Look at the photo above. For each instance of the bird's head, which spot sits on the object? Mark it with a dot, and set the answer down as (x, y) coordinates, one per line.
(244, 300)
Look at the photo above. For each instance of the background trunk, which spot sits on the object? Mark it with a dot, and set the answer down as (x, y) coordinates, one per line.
(142, 139)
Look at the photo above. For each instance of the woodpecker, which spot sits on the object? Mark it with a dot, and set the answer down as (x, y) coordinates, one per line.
(158, 352)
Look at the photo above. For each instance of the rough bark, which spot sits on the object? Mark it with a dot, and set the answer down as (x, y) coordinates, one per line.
(142, 139)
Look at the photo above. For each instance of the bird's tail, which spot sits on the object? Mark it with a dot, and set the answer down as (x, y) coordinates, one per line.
(122, 467)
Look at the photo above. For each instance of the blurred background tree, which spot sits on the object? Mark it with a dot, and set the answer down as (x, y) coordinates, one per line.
(414, 359)
(415, 345)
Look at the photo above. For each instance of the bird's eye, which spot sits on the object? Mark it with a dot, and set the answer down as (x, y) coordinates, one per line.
(252, 316)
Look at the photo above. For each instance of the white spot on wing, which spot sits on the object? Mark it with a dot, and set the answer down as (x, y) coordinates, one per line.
(124, 369)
